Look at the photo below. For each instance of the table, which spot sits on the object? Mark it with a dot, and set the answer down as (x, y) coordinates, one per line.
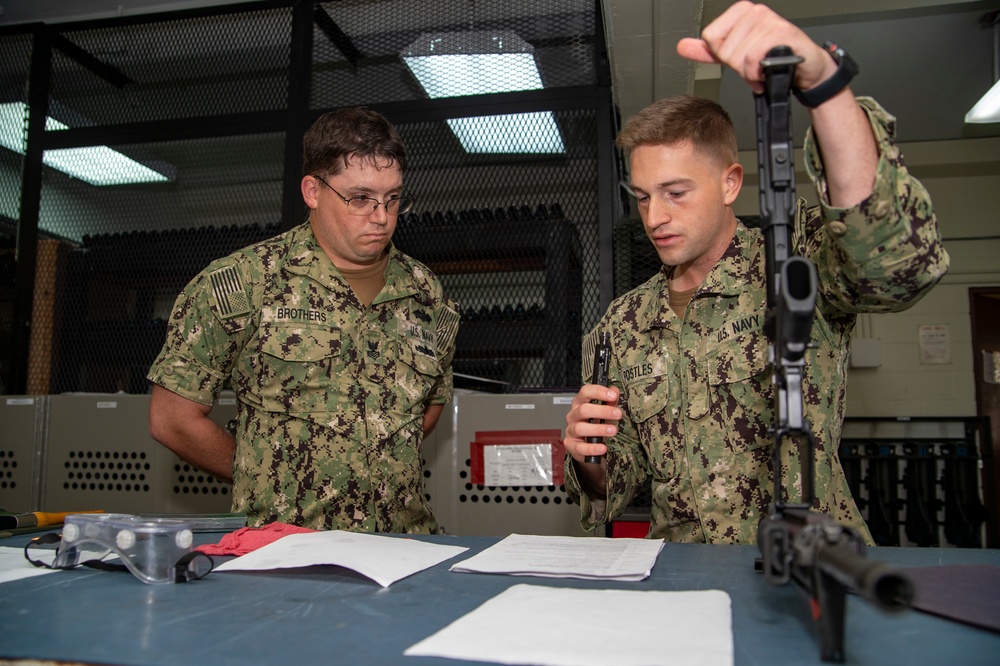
(333, 615)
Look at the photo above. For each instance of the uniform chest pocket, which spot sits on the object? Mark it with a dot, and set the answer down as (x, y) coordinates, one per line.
(416, 371)
(299, 368)
(647, 398)
(742, 394)
(649, 406)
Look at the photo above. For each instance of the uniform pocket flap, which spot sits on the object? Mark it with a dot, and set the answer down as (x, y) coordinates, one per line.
(740, 360)
(647, 398)
(420, 357)
(299, 343)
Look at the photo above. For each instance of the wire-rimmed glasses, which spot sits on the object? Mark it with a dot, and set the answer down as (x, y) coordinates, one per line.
(361, 205)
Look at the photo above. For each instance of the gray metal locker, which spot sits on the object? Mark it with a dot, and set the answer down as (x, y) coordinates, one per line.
(438, 461)
(514, 495)
(21, 446)
(99, 455)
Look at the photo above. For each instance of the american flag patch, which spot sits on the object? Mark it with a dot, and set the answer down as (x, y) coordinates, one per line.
(227, 287)
(587, 359)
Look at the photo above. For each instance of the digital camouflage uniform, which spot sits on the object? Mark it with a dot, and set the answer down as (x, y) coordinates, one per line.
(331, 394)
(696, 392)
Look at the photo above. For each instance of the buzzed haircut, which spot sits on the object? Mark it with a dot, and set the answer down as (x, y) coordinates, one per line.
(682, 118)
(337, 136)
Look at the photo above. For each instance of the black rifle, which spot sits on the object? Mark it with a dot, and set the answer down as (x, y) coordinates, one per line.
(823, 557)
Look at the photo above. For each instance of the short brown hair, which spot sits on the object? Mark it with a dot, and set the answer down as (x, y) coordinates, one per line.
(335, 137)
(682, 118)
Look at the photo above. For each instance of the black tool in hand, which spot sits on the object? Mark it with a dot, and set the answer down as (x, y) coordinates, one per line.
(602, 357)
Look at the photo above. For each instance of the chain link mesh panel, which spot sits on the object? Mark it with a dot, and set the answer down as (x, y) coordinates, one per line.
(15, 53)
(139, 245)
(635, 257)
(358, 47)
(169, 69)
(510, 228)
(514, 241)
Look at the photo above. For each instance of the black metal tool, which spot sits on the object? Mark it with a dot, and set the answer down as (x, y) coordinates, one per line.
(602, 358)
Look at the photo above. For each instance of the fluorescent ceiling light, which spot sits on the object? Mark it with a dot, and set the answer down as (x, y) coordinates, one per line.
(456, 64)
(475, 74)
(513, 133)
(987, 109)
(97, 165)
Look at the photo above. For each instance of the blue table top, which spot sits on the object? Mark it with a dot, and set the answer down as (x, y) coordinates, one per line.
(333, 615)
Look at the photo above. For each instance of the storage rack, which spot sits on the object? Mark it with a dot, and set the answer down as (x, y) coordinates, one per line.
(483, 241)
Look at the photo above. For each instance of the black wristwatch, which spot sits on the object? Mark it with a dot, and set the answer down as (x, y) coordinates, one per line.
(847, 69)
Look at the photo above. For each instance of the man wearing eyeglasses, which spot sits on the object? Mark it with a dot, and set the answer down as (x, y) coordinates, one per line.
(337, 345)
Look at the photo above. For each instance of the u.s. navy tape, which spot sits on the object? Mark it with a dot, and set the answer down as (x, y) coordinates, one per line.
(155, 550)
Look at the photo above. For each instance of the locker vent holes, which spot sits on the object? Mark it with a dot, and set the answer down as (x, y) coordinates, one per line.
(107, 470)
(427, 475)
(7, 467)
(191, 481)
(510, 494)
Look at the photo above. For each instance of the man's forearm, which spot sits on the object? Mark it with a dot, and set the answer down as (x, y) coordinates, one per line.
(593, 478)
(206, 446)
(184, 427)
(431, 415)
(847, 145)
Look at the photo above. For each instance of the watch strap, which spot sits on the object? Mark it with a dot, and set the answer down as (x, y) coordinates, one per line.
(847, 69)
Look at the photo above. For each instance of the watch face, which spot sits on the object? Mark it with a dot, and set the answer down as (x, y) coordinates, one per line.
(842, 57)
(847, 62)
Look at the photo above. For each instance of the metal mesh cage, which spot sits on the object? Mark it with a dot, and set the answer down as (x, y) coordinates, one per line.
(635, 257)
(505, 236)
(170, 142)
(161, 69)
(15, 53)
(134, 248)
(360, 48)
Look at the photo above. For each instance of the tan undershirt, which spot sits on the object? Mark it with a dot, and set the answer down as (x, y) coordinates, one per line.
(367, 282)
(679, 299)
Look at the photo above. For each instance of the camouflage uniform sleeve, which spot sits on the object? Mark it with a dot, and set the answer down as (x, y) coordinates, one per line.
(447, 333)
(885, 253)
(626, 459)
(204, 334)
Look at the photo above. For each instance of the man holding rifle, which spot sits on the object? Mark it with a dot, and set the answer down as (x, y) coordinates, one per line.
(691, 400)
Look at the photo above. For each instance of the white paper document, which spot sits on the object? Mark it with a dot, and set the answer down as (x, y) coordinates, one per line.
(14, 566)
(533, 624)
(517, 465)
(566, 557)
(383, 559)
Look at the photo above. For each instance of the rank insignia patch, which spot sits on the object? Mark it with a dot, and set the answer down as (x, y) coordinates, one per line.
(227, 287)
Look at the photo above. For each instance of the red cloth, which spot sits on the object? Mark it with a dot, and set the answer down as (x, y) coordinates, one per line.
(247, 539)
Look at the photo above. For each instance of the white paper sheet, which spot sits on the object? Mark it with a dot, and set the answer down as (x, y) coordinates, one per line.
(533, 624)
(13, 565)
(383, 559)
(517, 465)
(566, 557)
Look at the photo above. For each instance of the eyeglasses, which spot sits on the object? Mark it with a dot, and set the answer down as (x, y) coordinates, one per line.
(361, 205)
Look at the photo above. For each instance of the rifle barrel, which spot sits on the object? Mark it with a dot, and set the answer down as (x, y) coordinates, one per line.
(878, 582)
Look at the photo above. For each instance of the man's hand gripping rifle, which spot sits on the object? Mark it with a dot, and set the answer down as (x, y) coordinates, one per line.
(825, 558)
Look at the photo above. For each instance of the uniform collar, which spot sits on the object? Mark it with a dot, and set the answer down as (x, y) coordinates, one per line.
(728, 277)
(731, 274)
(306, 257)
